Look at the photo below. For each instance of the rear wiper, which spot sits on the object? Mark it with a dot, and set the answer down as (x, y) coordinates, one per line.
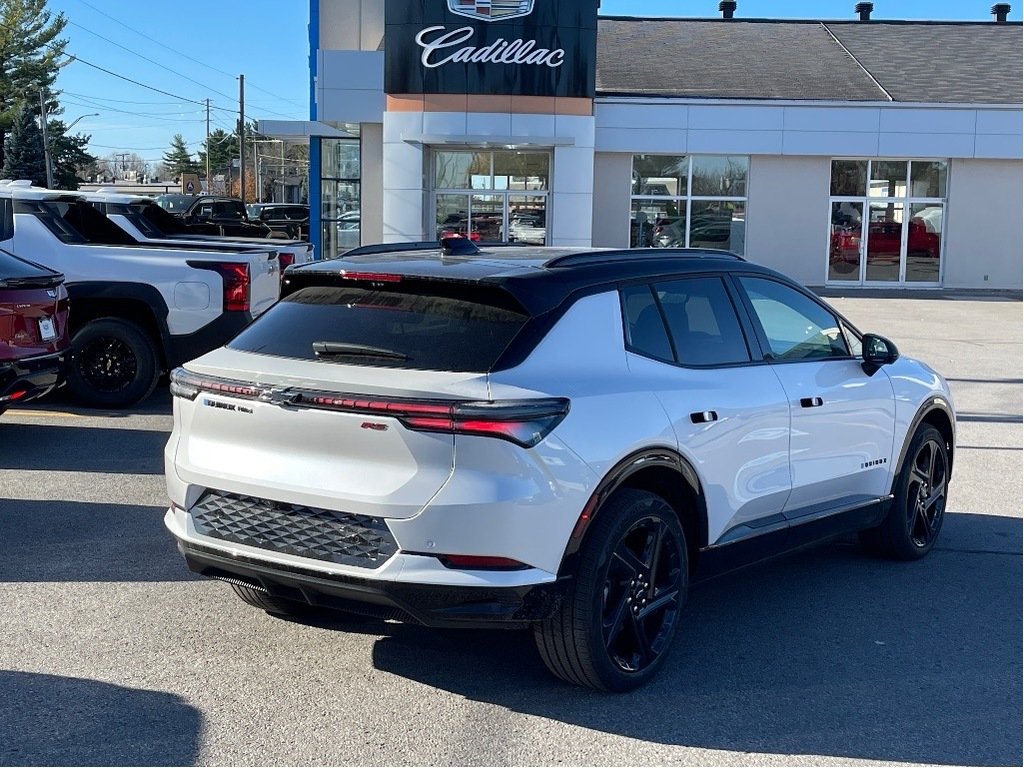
(340, 349)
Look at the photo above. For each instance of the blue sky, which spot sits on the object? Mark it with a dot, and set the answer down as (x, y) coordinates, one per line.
(195, 49)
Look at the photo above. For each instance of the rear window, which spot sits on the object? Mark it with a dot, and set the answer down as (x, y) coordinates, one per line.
(422, 330)
(154, 221)
(13, 268)
(75, 222)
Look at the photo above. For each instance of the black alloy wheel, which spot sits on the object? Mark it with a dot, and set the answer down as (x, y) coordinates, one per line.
(641, 598)
(113, 364)
(926, 493)
(914, 520)
(107, 364)
(614, 628)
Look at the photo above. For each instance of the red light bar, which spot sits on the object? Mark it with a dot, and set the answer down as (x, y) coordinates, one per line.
(373, 277)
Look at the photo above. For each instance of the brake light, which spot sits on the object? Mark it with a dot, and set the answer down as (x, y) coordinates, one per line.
(373, 277)
(523, 422)
(237, 282)
(13, 396)
(187, 386)
(285, 260)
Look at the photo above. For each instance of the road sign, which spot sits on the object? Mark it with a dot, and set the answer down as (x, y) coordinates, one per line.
(190, 184)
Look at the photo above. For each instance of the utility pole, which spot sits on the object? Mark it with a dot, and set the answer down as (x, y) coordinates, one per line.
(124, 163)
(46, 140)
(209, 187)
(241, 136)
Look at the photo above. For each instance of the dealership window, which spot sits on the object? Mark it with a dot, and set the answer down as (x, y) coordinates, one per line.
(492, 196)
(339, 193)
(689, 201)
(886, 221)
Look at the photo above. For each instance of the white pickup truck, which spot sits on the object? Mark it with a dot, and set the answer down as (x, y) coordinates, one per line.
(137, 309)
(147, 222)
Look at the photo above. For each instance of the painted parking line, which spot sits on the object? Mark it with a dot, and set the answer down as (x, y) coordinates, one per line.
(14, 412)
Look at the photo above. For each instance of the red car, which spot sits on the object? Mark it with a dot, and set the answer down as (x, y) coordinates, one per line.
(33, 329)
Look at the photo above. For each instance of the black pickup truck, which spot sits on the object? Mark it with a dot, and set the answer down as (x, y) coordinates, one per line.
(211, 215)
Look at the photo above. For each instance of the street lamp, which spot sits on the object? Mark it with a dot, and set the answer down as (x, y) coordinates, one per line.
(72, 123)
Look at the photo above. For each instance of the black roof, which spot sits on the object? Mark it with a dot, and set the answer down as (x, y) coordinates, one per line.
(933, 62)
(539, 278)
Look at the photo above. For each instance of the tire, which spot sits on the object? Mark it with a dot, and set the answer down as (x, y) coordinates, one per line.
(113, 364)
(914, 520)
(278, 606)
(614, 628)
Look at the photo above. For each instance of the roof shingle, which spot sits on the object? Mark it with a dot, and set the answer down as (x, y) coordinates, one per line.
(821, 61)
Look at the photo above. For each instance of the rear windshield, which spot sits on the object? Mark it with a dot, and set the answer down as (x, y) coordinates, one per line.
(75, 222)
(431, 330)
(154, 221)
(13, 268)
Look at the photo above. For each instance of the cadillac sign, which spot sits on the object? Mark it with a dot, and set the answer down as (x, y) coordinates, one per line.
(491, 10)
(508, 47)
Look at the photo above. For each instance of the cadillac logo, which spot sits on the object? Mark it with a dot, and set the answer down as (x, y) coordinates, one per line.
(491, 10)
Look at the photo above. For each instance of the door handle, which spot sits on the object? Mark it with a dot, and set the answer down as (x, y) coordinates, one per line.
(703, 417)
(811, 402)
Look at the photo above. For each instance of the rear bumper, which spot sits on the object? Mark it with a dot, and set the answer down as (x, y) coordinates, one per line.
(181, 349)
(432, 605)
(34, 375)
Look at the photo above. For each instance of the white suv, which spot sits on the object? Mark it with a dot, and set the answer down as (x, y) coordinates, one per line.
(545, 438)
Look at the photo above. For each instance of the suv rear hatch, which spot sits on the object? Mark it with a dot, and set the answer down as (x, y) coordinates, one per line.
(33, 310)
(346, 396)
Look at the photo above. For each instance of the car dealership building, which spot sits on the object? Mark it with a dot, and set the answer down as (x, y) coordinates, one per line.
(858, 152)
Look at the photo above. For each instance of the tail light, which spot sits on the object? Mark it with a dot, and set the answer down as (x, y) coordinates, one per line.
(14, 396)
(188, 385)
(285, 260)
(237, 282)
(523, 422)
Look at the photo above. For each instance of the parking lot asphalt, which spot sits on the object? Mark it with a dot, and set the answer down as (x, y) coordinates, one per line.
(112, 653)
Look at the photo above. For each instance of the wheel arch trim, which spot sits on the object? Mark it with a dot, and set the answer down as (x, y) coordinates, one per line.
(617, 476)
(934, 404)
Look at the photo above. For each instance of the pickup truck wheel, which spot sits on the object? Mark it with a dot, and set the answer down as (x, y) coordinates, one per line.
(113, 364)
(614, 629)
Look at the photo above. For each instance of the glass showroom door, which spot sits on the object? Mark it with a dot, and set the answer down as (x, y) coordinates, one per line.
(886, 222)
(492, 196)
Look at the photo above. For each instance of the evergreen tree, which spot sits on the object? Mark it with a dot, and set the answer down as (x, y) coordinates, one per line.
(178, 160)
(222, 148)
(23, 150)
(68, 155)
(30, 56)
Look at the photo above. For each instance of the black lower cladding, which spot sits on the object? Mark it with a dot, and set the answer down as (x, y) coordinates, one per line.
(35, 375)
(294, 529)
(432, 605)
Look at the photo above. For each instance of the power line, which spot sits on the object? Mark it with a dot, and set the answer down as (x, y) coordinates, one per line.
(185, 55)
(149, 115)
(142, 85)
(151, 61)
(120, 101)
(141, 149)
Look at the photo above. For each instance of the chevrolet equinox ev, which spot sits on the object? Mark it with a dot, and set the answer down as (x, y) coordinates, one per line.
(553, 439)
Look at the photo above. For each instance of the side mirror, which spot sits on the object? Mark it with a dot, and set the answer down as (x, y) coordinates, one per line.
(878, 351)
